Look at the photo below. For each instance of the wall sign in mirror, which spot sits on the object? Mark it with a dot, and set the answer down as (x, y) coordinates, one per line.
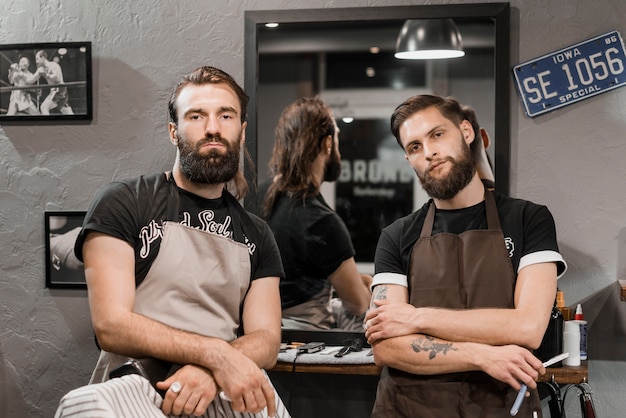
(45, 81)
(63, 269)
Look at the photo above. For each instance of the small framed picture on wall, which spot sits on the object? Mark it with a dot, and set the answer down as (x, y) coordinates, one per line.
(45, 81)
(63, 269)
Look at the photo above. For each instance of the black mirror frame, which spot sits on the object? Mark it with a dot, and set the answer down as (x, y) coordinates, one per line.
(499, 12)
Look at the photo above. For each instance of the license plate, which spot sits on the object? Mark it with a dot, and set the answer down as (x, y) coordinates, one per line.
(571, 74)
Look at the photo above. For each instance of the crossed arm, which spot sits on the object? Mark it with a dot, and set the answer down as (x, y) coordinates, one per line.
(211, 363)
(436, 340)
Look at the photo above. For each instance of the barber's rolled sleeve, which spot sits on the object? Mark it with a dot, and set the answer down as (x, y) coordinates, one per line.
(389, 278)
(544, 257)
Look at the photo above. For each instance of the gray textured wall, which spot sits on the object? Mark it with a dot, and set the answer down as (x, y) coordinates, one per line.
(570, 159)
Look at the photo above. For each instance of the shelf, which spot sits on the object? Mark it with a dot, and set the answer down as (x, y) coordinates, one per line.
(622, 284)
(354, 369)
(566, 374)
(562, 375)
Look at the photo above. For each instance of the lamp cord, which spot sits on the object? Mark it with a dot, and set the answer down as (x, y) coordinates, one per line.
(293, 378)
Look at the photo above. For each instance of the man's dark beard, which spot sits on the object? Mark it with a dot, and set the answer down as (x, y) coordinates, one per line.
(332, 169)
(212, 168)
(459, 176)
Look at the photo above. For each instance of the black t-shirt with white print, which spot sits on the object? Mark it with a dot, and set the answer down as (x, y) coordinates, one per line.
(529, 236)
(134, 210)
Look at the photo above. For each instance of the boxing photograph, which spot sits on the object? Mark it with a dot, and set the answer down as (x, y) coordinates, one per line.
(45, 81)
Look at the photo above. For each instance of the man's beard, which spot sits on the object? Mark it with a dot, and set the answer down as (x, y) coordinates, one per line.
(213, 167)
(332, 169)
(460, 175)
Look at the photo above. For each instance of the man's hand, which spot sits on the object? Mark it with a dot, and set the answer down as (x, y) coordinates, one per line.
(245, 384)
(198, 389)
(513, 365)
(389, 320)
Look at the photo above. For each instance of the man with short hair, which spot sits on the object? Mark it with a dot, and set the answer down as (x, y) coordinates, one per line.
(464, 287)
(180, 274)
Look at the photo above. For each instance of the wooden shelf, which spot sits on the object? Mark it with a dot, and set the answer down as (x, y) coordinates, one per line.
(562, 375)
(355, 369)
(566, 374)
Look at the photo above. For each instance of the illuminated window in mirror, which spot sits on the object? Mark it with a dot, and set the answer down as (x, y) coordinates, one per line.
(376, 185)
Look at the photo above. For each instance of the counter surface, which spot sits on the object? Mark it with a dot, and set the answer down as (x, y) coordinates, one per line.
(362, 363)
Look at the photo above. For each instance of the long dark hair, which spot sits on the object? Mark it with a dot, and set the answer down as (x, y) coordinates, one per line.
(299, 137)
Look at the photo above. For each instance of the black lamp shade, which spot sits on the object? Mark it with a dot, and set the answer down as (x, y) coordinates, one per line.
(429, 39)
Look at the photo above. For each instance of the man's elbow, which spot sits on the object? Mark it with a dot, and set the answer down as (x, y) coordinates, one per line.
(358, 304)
(106, 332)
(531, 336)
(105, 339)
(381, 355)
(271, 340)
(355, 309)
(269, 365)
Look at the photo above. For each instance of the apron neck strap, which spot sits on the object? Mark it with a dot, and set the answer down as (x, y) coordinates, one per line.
(172, 198)
(493, 220)
(427, 228)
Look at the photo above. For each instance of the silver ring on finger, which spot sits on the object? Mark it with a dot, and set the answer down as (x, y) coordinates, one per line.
(176, 387)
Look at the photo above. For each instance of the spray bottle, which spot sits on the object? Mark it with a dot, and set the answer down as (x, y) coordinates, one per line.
(580, 319)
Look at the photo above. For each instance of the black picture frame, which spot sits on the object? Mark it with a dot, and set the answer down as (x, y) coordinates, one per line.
(63, 269)
(29, 80)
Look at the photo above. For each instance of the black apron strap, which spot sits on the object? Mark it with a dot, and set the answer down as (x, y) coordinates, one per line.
(172, 199)
(493, 220)
(427, 228)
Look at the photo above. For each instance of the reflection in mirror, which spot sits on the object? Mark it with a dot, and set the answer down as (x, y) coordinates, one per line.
(347, 57)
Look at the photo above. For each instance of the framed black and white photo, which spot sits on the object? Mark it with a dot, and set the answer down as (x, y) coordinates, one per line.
(45, 81)
(63, 269)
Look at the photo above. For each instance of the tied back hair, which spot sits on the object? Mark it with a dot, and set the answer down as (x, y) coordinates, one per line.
(470, 116)
(299, 138)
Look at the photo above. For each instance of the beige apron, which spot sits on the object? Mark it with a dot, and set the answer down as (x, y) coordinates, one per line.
(197, 283)
(465, 271)
(189, 286)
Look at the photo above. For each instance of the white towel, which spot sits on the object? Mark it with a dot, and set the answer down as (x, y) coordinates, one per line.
(132, 396)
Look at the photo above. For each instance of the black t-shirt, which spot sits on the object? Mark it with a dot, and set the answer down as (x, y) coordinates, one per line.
(134, 211)
(528, 228)
(313, 242)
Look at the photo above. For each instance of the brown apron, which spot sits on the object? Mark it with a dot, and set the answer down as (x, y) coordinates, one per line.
(466, 271)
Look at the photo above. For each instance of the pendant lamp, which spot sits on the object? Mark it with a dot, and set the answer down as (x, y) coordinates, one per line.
(429, 39)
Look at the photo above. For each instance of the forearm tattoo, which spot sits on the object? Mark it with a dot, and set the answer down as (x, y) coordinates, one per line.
(380, 293)
(427, 343)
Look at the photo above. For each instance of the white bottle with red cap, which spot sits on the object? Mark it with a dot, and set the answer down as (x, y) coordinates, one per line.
(571, 343)
(580, 319)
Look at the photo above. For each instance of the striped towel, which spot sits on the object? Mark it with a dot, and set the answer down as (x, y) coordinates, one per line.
(132, 396)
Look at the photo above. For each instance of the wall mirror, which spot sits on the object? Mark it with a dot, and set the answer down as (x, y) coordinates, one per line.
(329, 52)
